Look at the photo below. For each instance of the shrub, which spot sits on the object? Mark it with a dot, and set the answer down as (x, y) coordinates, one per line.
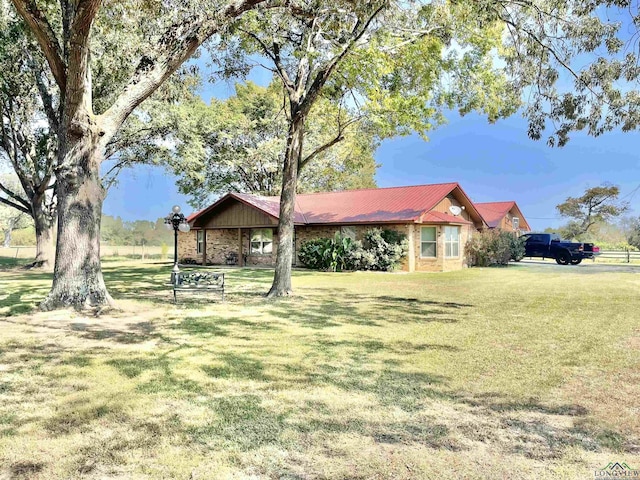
(490, 247)
(516, 247)
(326, 253)
(380, 250)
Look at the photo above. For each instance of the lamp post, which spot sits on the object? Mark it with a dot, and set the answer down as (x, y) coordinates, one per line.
(176, 221)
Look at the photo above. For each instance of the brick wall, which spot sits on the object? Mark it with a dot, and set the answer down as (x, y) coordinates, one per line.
(187, 247)
(222, 241)
(440, 263)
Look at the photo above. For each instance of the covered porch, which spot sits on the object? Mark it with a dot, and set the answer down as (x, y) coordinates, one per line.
(231, 232)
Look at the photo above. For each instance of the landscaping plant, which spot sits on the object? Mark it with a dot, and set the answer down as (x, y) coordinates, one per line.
(491, 247)
(381, 250)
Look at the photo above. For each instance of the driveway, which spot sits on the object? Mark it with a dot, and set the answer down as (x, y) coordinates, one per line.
(586, 266)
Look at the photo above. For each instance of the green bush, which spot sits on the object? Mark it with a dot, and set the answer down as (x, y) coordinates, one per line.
(489, 247)
(326, 253)
(380, 250)
(516, 247)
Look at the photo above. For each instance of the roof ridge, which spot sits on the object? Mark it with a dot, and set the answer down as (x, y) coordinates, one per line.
(377, 188)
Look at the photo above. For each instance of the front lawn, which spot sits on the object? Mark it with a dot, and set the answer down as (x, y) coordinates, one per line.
(523, 372)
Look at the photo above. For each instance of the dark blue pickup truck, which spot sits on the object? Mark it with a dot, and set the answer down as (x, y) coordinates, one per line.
(549, 245)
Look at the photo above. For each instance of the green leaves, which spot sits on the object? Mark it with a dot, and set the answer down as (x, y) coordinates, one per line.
(238, 144)
(597, 205)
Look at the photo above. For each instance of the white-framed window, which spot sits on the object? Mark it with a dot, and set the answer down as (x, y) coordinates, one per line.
(261, 241)
(348, 231)
(451, 242)
(200, 239)
(428, 247)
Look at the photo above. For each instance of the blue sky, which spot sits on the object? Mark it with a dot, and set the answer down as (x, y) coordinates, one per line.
(492, 162)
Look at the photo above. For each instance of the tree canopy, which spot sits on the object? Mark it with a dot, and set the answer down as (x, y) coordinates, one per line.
(597, 205)
(238, 145)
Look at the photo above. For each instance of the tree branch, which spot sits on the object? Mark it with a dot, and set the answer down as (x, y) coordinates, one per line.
(321, 149)
(17, 198)
(45, 96)
(174, 47)
(46, 38)
(20, 208)
(78, 91)
(323, 75)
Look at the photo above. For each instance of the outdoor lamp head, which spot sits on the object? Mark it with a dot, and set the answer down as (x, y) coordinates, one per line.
(184, 227)
(176, 209)
(168, 225)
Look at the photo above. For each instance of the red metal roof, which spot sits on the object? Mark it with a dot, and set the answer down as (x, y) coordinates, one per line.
(374, 205)
(395, 204)
(494, 212)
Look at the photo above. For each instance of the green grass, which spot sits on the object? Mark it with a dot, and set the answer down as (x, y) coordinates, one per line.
(523, 372)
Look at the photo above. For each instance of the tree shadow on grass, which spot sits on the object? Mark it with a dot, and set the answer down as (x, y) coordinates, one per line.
(241, 423)
(330, 309)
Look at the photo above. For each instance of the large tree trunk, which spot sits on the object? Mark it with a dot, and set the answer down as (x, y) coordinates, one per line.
(45, 250)
(77, 277)
(7, 237)
(282, 280)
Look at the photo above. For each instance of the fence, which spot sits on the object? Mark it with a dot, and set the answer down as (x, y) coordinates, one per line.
(621, 256)
(144, 251)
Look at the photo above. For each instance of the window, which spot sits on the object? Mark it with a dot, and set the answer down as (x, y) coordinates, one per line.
(515, 221)
(348, 232)
(261, 241)
(200, 241)
(428, 242)
(451, 242)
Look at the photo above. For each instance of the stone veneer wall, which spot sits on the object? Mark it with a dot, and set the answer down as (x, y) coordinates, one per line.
(222, 241)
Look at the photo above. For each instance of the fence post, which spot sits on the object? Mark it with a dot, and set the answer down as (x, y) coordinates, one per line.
(17, 250)
(628, 256)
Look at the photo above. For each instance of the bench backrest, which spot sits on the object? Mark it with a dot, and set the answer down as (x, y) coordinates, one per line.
(196, 278)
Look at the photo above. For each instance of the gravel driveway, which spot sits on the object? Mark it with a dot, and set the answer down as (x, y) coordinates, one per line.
(587, 266)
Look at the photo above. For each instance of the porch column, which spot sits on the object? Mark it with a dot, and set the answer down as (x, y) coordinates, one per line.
(240, 257)
(204, 247)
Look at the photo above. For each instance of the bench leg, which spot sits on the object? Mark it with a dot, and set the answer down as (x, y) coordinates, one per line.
(175, 297)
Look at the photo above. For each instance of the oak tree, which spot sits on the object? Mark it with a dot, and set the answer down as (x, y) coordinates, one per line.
(149, 41)
(597, 205)
(391, 64)
(28, 143)
(238, 145)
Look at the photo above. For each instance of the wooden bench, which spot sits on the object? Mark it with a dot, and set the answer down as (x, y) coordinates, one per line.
(198, 282)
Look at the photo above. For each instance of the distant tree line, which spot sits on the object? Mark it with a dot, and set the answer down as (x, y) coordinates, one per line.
(114, 231)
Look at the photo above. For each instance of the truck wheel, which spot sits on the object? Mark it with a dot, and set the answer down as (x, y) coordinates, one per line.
(576, 261)
(563, 258)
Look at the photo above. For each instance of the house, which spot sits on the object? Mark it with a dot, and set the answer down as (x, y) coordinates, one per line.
(503, 215)
(436, 219)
